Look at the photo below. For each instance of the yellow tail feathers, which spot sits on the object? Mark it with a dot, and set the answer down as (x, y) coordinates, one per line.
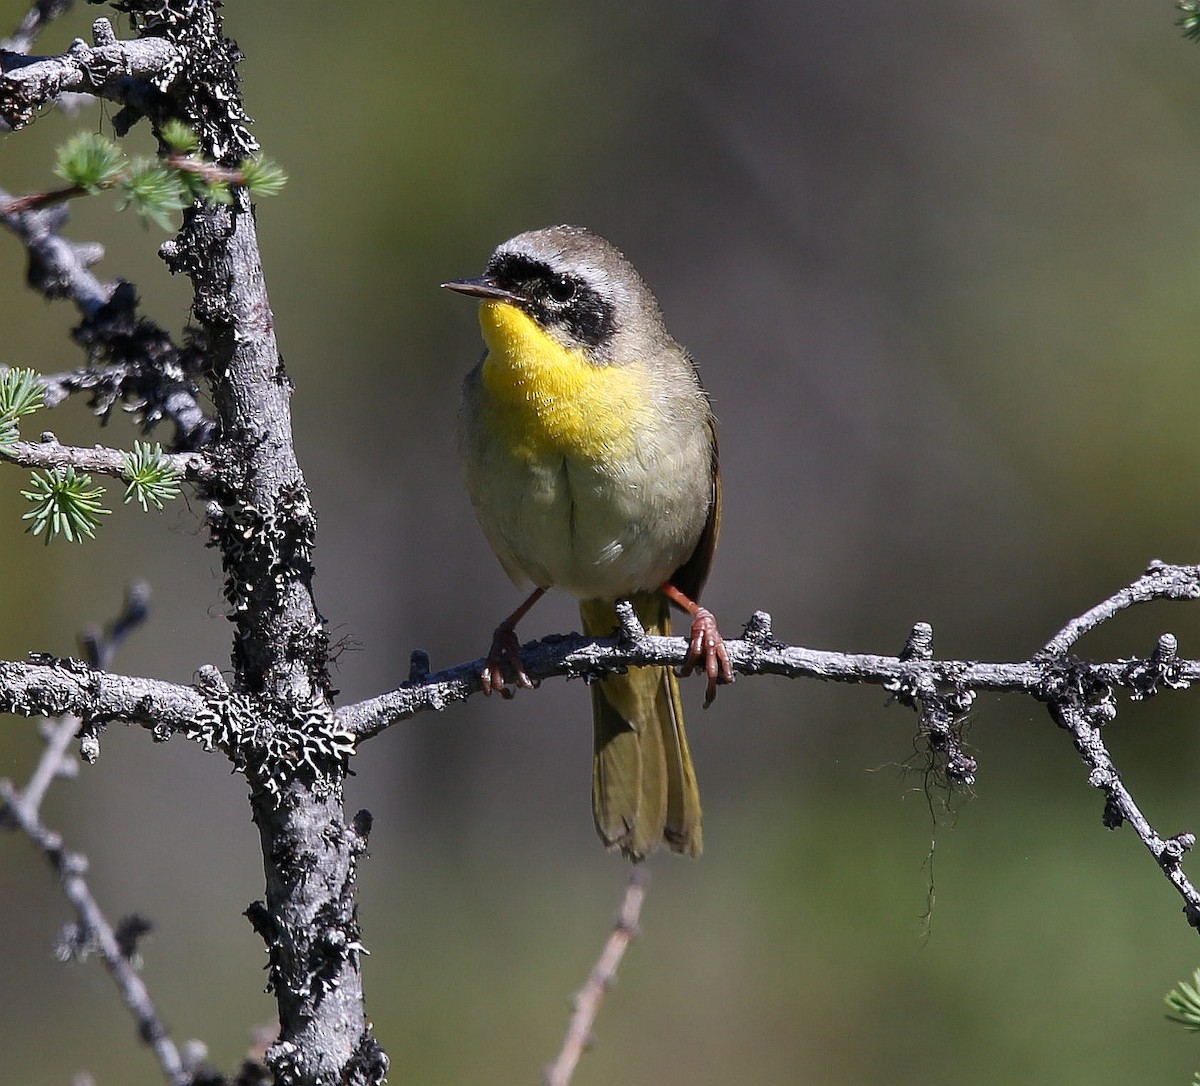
(644, 790)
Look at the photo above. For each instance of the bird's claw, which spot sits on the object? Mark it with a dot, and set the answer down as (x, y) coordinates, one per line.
(506, 649)
(706, 648)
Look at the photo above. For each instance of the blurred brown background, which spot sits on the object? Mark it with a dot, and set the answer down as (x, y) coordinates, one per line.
(938, 263)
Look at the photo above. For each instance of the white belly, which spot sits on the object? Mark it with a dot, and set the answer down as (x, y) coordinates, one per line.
(588, 527)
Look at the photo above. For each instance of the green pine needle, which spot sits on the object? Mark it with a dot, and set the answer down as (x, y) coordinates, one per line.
(179, 137)
(1189, 21)
(1184, 1001)
(197, 185)
(206, 188)
(152, 479)
(20, 394)
(263, 177)
(65, 503)
(154, 192)
(90, 161)
(218, 192)
(157, 190)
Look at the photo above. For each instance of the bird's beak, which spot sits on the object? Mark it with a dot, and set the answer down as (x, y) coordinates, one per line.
(482, 286)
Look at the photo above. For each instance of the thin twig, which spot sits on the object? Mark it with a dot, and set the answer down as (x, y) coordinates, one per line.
(1160, 581)
(99, 460)
(21, 808)
(35, 20)
(71, 868)
(1084, 725)
(586, 1004)
(99, 648)
(37, 201)
(51, 763)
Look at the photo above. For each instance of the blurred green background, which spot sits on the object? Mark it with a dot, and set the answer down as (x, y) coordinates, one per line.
(938, 263)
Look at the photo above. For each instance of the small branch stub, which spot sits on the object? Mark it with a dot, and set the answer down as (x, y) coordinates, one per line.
(630, 628)
(919, 644)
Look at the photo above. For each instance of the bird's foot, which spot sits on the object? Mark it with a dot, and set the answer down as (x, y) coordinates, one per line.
(706, 648)
(505, 650)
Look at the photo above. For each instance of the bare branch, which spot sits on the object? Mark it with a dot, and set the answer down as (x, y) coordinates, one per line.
(1080, 695)
(71, 868)
(1084, 725)
(586, 1004)
(99, 460)
(21, 809)
(911, 674)
(58, 268)
(579, 656)
(1160, 581)
(100, 646)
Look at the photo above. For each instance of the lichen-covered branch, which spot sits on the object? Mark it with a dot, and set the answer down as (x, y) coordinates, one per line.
(110, 68)
(262, 523)
(132, 361)
(46, 686)
(909, 675)
(274, 720)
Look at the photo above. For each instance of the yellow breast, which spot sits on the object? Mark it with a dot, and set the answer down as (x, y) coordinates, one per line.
(551, 398)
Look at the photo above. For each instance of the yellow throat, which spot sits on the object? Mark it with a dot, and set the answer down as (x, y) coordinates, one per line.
(552, 396)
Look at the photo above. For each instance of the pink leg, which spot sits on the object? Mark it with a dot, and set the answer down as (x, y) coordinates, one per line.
(705, 644)
(506, 649)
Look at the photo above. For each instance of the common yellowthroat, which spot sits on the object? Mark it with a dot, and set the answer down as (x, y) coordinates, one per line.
(590, 454)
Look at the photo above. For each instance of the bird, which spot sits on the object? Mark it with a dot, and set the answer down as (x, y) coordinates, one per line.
(589, 449)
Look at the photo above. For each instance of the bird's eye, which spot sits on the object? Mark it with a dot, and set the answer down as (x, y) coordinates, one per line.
(561, 289)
